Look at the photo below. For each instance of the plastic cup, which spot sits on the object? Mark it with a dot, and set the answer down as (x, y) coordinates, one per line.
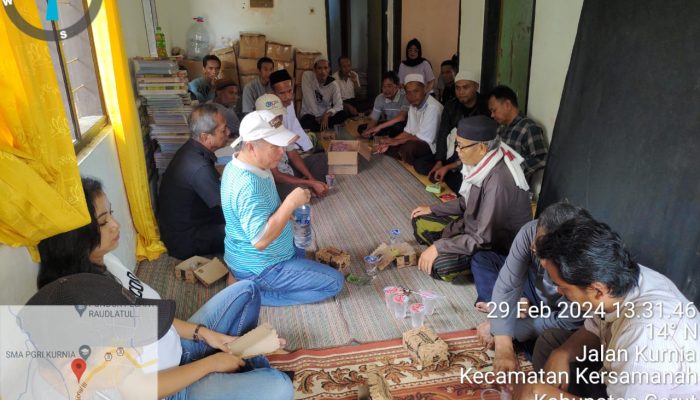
(429, 299)
(400, 305)
(417, 311)
(371, 263)
(330, 181)
(394, 235)
(389, 293)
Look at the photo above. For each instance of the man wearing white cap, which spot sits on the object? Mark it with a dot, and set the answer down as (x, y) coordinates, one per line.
(321, 104)
(259, 241)
(416, 144)
(467, 103)
(292, 170)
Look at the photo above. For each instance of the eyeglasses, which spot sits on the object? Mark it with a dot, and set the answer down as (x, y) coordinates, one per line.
(460, 148)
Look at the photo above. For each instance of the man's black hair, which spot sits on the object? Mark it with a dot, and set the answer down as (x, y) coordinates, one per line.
(586, 251)
(558, 213)
(208, 58)
(449, 63)
(265, 60)
(502, 92)
(391, 75)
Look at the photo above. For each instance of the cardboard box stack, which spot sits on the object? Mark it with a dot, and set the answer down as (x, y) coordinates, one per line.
(281, 54)
(229, 64)
(251, 47)
(163, 89)
(304, 62)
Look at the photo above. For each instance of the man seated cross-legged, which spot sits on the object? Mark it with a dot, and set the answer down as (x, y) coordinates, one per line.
(493, 204)
(259, 241)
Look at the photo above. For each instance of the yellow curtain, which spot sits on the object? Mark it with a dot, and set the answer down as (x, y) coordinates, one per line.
(121, 108)
(40, 190)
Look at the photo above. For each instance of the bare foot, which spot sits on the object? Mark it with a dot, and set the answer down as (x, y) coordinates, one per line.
(482, 306)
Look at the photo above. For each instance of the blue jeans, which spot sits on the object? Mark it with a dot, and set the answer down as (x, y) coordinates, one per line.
(295, 281)
(485, 266)
(233, 311)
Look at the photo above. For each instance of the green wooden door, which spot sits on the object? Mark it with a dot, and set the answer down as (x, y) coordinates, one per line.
(515, 46)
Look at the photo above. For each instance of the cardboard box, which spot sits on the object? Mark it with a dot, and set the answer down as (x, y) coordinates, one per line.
(342, 156)
(185, 270)
(230, 73)
(334, 257)
(227, 56)
(305, 59)
(326, 135)
(426, 348)
(211, 272)
(288, 65)
(201, 268)
(298, 75)
(248, 66)
(385, 256)
(252, 45)
(244, 79)
(279, 51)
(378, 386)
(404, 255)
(193, 67)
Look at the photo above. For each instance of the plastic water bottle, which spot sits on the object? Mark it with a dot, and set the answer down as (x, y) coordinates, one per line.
(160, 43)
(302, 226)
(197, 40)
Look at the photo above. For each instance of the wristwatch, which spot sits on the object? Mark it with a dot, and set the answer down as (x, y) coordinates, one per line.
(195, 335)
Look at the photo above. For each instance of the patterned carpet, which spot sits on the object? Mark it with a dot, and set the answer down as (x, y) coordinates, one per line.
(355, 217)
(338, 372)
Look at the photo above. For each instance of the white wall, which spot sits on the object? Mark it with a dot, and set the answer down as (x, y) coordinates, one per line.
(17, 270)
(133, 27)
(301, 23)
(556, 24)
(471, 35)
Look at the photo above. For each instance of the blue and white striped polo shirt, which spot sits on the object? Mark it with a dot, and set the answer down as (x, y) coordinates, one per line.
(248, 198)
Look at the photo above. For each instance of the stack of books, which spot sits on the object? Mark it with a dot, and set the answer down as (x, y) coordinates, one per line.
(162, 88)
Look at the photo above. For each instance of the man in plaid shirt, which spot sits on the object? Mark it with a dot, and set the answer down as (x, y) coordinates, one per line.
(518, 131)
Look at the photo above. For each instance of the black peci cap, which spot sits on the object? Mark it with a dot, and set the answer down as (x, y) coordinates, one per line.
(279, 76)
(479, 129)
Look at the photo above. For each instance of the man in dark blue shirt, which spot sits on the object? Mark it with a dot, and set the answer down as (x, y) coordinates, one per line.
(189, 202)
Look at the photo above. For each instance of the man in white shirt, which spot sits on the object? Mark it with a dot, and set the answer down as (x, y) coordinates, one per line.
(321, 105)
(348, 81)
(293, 171)
(639, 340)
(416, 144)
